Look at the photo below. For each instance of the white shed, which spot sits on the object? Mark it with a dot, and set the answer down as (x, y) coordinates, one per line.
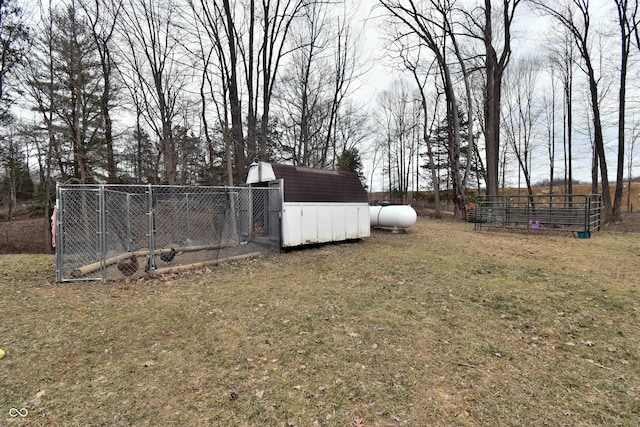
(318, 206)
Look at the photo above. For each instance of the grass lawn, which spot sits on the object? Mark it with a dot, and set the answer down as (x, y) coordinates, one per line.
(440, 326)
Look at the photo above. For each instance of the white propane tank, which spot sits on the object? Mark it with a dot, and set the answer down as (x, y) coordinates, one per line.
(396, 216)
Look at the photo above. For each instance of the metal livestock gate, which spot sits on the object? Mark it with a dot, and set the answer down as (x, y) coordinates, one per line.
(109, 231)
(575, 213)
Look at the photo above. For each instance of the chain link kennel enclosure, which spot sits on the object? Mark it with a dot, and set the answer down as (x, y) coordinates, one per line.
(105, 232)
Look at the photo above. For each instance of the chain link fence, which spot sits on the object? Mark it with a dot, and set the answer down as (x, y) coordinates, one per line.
(105, 232)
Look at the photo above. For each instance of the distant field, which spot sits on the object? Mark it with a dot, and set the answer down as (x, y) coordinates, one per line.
(419, 200)
(439, 326)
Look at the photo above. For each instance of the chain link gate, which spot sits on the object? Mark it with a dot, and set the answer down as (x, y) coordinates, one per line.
(105, 232)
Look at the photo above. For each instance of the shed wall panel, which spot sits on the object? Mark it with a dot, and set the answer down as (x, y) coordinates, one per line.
(310, 223)
(339, 222)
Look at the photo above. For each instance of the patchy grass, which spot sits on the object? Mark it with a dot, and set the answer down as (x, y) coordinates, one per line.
(439, 326)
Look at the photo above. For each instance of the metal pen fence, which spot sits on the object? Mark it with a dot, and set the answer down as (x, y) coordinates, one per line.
(579, 214)
(106, 232)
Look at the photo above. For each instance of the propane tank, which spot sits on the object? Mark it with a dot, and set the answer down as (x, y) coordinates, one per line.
(397, 217)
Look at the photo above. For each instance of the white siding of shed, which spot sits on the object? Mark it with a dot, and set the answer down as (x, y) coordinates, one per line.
(309, 223)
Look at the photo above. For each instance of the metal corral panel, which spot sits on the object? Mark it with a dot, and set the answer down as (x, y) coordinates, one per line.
(309, 223)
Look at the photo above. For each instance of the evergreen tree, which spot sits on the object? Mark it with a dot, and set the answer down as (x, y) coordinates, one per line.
(77, 98)
(441, 155)
(14, 45)
(350, 160)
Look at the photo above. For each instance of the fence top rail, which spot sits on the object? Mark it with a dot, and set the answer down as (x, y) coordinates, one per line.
(153, 186)
(536, 196)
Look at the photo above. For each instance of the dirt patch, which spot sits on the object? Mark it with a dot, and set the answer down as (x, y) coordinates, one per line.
(24, 236)
(630, 224)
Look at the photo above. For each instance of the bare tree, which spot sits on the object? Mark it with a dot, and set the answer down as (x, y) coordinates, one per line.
(633, 140)
(345, 64)
(250, 42)
(303, 88)
(220, 74)
(103, 16)
(430, 25)
(562, 59)
(13, 49)
(277, 19)
(213, 92)
(401, 116)
(153, 64)
(497, 49)
(521, 114)
(427, 125)
(549, 111)
(575, 17)
(39, 86)
(312, 89)
(628, 25)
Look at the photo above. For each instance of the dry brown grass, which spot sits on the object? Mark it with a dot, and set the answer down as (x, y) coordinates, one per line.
(439, 326)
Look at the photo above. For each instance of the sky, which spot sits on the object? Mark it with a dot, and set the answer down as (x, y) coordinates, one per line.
(531, 34)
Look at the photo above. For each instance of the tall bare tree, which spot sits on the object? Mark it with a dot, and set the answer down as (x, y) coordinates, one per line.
(153, 61)
(14, 46)
(303, 89)
(103, 16)
(39, 86)
(633, 140)
(220, 73)
(251, 40)
(497, 55)
(313, 87)
(430, 24)
(628, 25)
(427, 124)
(575, 16)
(549, 111)
(277, 19)
(521, 113)
(562, 58)
(400, 117)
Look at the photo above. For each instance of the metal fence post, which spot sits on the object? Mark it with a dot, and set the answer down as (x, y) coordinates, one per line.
(57, 232)
(151, 230)
(101, 233)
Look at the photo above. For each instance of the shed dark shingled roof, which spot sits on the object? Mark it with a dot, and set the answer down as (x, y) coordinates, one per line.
(302, 184)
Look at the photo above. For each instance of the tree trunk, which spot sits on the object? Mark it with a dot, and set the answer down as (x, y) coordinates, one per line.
(491, 106)
(237, 138)
(599, 145)
(626, 29)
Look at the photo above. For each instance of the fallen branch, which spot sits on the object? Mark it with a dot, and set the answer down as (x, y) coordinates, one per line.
(178, 268)
(89, 268)
(466, 301)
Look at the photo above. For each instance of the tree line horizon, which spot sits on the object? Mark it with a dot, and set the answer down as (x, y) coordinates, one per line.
(188, 92)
